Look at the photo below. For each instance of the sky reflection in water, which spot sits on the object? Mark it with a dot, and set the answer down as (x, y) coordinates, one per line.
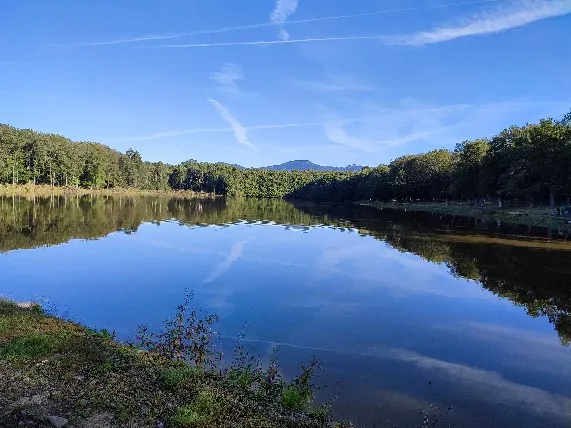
(396, 335)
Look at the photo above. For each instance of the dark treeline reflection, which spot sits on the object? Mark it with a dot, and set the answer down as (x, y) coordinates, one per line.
(516, 263)
(29, 223)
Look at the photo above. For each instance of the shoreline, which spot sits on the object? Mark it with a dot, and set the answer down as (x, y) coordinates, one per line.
(539, 217)
(45, 190)
(57, 371)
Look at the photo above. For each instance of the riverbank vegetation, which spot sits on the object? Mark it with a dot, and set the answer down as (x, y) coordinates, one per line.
(57, 373)
(30, 190)
(521, 166)
(540, 216)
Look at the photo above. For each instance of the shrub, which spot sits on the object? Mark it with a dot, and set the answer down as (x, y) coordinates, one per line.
(186, 337)
(299, 394)
(199, 412)
(176, 376)
(295, 399)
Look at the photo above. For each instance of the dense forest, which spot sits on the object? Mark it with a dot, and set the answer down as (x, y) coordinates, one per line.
(522, 164)
(508, 270)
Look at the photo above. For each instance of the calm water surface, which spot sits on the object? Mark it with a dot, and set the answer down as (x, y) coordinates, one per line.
(410, 314)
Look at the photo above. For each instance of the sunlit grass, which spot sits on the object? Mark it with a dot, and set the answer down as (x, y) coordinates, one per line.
(200, 412)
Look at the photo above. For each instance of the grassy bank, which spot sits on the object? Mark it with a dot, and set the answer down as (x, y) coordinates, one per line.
(540, 216)
(31, 190)
(50, 368)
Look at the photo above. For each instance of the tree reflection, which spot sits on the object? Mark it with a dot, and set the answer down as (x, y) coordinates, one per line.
(516, 263)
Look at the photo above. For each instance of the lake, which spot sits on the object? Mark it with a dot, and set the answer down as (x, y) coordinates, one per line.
(416, 318)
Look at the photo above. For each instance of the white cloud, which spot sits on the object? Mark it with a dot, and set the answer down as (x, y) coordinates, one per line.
(333, 83)
(515, 14)
(240, 132)
(228, 77)
(379, 128)
(336, 132)
(386, 131)
(282, 10)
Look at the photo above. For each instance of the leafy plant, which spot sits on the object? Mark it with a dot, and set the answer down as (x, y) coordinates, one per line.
(199, 412)
(176, 376)
(189, 336)
(299, 394)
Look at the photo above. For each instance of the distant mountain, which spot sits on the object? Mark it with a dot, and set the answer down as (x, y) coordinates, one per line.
(304, 165)
(232, 164)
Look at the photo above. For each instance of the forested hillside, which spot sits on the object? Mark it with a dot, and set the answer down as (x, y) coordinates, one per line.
(526, 164)
(29, 156)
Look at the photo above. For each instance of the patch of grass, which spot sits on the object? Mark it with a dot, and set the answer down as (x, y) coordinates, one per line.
(199, 412)
(30, 346)
(177, 376)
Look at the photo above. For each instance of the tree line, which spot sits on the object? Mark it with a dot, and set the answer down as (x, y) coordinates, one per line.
(522, 164)
(27, 156)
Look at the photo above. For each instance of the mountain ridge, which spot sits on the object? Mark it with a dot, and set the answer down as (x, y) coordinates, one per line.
(302, 165)
(306, 165)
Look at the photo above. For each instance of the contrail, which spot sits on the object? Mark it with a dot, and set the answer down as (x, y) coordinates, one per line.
(168, 36)
(240, 132)
(166, 134)
(272, 42)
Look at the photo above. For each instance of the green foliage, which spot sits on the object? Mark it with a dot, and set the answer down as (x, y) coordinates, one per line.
(244, 377)
(298, 395)
(30, 346)
(469, 175)
(28, 156)
(295, 399)
(322, 412)
(176, 376)
(199, 412)
(7, 307)
(103, 368)
(189, 336)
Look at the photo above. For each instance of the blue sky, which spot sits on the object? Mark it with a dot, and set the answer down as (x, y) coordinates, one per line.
(261, 82)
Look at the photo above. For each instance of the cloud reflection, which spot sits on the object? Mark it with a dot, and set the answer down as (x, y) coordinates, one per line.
(235, 254)
(491, 386)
